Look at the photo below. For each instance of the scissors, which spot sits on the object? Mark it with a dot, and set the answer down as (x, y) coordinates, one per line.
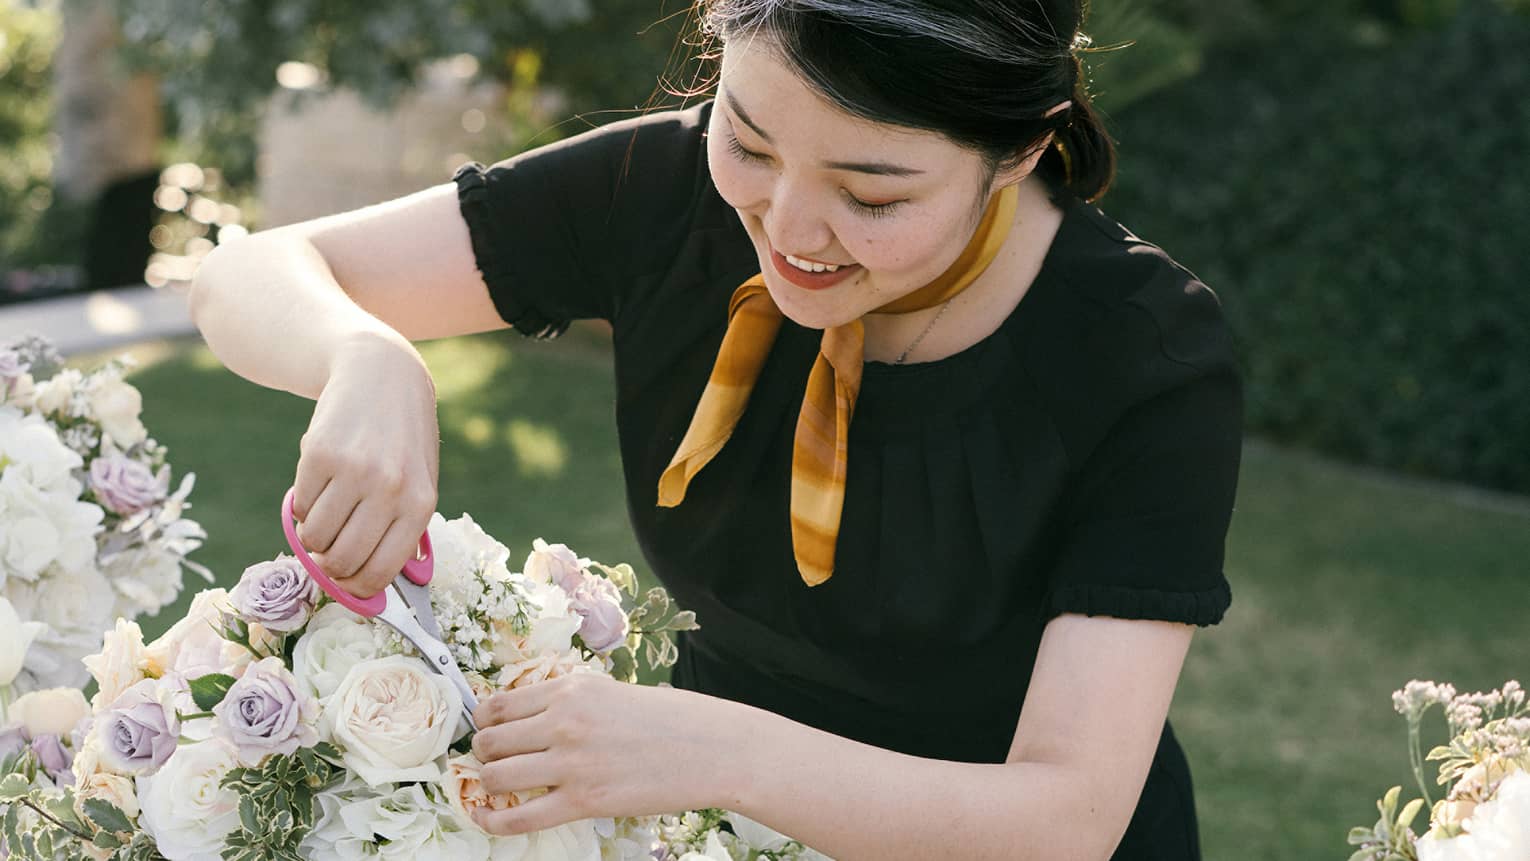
(404, 606)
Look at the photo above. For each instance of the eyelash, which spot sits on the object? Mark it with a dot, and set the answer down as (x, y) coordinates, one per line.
(871, 210)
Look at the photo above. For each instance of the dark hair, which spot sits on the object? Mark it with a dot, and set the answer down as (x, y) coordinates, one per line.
(983, 73)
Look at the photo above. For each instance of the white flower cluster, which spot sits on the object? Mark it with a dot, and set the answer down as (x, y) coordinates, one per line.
(698, 836)
(273, 675)
(86, 509)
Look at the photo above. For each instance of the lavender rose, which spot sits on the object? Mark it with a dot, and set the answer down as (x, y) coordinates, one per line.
(265, 713)
(599, 605)
(278, 594)
(139, 732)
(55, 759)
(126, 486)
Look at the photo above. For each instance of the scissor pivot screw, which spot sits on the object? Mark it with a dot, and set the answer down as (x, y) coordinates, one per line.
(443, 659)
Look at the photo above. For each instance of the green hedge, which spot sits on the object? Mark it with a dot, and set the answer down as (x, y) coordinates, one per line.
(1364, 213)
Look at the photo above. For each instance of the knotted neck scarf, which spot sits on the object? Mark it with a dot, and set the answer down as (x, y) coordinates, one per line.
(821, 444)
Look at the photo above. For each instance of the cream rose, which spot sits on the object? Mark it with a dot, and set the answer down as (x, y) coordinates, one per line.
(53, 394)
(117, 406)
(193, 647)
(394, 719)
(54, 711)
(114, 789)
(120, 664)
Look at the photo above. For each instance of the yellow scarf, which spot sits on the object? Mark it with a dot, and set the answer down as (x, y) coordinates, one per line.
(820, 449)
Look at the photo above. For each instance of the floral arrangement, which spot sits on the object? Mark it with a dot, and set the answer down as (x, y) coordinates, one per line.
(86, 511)
(274, 723)
(1485, 812)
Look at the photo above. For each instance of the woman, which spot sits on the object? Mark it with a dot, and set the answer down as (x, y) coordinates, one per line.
(948, 628)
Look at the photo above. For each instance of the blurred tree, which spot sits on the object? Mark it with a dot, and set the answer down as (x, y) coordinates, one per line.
(219, 62)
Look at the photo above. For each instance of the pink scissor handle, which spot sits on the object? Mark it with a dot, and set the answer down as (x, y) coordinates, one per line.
(419, 569)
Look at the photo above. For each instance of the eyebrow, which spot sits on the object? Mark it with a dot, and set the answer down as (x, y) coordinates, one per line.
(878, 168)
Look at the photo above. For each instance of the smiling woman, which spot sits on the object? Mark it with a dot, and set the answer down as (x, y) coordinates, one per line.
(941, 455)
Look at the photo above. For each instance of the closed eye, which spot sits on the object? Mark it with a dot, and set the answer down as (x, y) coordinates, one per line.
(871, 210)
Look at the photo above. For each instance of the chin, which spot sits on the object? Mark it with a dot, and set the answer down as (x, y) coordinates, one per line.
(814, 310)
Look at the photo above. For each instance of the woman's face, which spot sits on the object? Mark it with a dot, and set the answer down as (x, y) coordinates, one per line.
(895, 207)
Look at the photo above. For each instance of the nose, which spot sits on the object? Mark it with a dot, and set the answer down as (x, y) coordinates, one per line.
(794, 223)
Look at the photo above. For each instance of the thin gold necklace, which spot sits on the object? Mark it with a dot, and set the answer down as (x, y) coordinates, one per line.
(904, 355)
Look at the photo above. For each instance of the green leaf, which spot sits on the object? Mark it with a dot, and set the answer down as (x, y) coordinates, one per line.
(209, 690)
(1405, 819)
(247, 815)
(685, 620)
(622, 575)
(106, 840)
(107, 816)
(14, 787)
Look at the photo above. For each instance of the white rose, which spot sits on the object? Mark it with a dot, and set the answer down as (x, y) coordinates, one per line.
(120, 663)
(54, 711)
(53, 394)
(336, 640)
(408, 822)
(117, 406)
(394, 719)
(15, 638)
(184, 809)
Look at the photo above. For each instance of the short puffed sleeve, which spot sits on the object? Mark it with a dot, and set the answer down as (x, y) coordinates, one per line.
(560, 232)
(1147, 510)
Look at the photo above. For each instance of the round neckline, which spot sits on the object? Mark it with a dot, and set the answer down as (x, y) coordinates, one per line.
(972, 352)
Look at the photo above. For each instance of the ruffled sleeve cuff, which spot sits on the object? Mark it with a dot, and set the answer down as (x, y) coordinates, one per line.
(1201, 608)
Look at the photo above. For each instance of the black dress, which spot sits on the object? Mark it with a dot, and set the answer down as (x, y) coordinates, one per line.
(1081, 459)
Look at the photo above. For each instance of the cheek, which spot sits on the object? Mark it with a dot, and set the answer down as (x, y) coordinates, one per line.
(742, 186)
(899, 247)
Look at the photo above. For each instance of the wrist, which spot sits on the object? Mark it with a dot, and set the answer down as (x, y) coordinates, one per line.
(381, 350)
(736, 735)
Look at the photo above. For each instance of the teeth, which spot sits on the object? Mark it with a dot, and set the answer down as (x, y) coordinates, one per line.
(808, 266)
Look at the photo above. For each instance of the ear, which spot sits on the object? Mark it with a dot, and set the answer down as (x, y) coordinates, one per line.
(1024, 168)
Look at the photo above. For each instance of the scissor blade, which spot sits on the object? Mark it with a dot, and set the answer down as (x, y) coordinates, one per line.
(418, 599)
(434, 652)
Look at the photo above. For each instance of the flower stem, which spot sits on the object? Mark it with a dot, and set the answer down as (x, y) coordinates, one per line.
(1416, 757)
(78, 835)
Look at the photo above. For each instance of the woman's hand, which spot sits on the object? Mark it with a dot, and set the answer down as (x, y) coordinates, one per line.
(366, 475)
(604, 747)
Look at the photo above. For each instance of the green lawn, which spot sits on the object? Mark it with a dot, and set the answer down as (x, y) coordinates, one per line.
(1346, 584)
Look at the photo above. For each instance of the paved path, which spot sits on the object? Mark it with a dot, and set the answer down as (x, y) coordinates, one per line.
(100, 320)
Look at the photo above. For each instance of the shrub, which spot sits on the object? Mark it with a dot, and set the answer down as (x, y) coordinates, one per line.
(1364, 215)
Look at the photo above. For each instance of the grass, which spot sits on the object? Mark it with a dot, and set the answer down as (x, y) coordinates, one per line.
(1346, 583)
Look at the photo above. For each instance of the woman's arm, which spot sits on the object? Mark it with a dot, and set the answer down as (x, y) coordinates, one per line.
(326, 309)
(1086, 737)
(278, 305)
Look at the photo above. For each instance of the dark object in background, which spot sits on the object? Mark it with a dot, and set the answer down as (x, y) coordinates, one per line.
(117, 245)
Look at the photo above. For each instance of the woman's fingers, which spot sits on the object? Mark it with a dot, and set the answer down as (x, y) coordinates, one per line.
(519, 773)
(397, 546)
(355, 543)
(325, 516)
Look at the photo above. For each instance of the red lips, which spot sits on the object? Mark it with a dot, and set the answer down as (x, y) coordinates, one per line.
(811, 280)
